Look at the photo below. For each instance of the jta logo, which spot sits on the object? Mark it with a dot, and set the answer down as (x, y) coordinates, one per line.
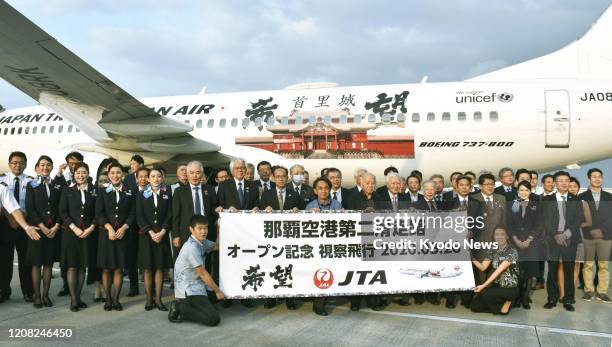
(379, 277)
(323, 278)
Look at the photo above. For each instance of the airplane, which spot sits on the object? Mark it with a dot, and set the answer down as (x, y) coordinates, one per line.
(439, 271)
(546, 113)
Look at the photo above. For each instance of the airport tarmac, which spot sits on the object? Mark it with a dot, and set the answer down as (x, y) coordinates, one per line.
(414, 325)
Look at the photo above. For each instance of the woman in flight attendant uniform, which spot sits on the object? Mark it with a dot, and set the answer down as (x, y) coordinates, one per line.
(114, 215)
(77, 210)
(42, 203)
(154, 216)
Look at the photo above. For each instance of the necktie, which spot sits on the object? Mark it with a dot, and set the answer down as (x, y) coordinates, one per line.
(45, 182)
(394, 202)
(267, 185)
(281, 201)
(464, 203)
(82, 196)
(489, 203)
(298, 190)
(240, 194)
(16, 189)
(432, 207)
(561, 205)
(438, 198)
(198, 204)
(564, 204)
(155, 199)
(117, 195)
(334, 196)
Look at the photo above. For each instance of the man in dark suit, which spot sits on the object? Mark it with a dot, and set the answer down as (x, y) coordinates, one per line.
(338, 192)
(388, 170)
(305, 192)
(507, 189)
(235, 194)
(130, 180)
(392, 198)
(413, 182)
(193, 198)
(358, 173)
(264, 170)
(464, 202)
(561, 219)
(597, 238)
(451, 194)
(280, 198)
(494, 212)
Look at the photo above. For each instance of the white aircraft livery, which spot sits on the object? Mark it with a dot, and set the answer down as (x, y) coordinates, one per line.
(550, 112)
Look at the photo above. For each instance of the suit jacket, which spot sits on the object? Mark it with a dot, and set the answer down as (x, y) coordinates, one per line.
(183, 209)
(306, 194)
(228, 195)
(550, 218)
(524, 226)
(345, 195)
(382, 201)
(259, 185)
(72, 209)
(270, 198)
(510, 196)
(42, 208)
(130, 181)
(116, 214)
(602, 216)
(474, 210)
(424, 206)
(360, 202)
(492, 216)
(449, 196)
(151, 217)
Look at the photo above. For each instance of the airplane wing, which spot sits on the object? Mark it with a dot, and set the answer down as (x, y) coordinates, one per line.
(41, 67)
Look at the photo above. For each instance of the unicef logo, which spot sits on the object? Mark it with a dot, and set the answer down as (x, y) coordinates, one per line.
(505, 97)
(323, 278)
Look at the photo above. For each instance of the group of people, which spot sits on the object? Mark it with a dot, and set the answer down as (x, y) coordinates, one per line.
(117, 220)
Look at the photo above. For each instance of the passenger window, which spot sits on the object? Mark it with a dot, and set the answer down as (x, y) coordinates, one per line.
(431, 117)
(12, 131)
(51, 128)
(211, 123)
(371, 118)
(245, 123)
(78, 130)
(357, 118)
(386, 117)
(60, 129)
(70, 128)
(327, 119)
(258, 122)
(27, 130)
(199, 123)
(234, 122)
(43, 129)
(446, 116)
(477, 116)
(493, 116)
(298, 120)
(5, 131)
(461, 116)
(34, 130)
(343, 119)
(270, 121)
(416, 117)
(285, 121)
(312, 120)
(19, 131)
(401, 118)
(222, 123)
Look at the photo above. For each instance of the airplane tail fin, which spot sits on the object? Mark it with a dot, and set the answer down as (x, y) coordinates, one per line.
(588, 57)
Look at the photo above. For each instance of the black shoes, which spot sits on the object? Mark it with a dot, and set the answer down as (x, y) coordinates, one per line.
(173, 313)
(47, 302)
(81, 304)
(569, 307)
(108, 306)
(74, 308)
(117, 306)
(28, 297)
(161, 306)
(270, 303)
(149, 307)
(320, 311)
(247, 303)
(550, 305)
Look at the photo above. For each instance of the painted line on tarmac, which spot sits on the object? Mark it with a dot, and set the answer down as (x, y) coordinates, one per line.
(490, 323)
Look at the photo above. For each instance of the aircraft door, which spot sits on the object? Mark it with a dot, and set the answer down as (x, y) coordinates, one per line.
(558, 118)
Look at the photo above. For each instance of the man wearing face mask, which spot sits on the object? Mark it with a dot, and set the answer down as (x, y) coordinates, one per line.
(297, 185)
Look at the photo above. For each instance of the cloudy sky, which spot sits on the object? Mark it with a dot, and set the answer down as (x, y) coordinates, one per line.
(174, 47)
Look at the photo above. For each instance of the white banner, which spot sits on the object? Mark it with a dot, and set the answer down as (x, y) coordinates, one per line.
(331, 254)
